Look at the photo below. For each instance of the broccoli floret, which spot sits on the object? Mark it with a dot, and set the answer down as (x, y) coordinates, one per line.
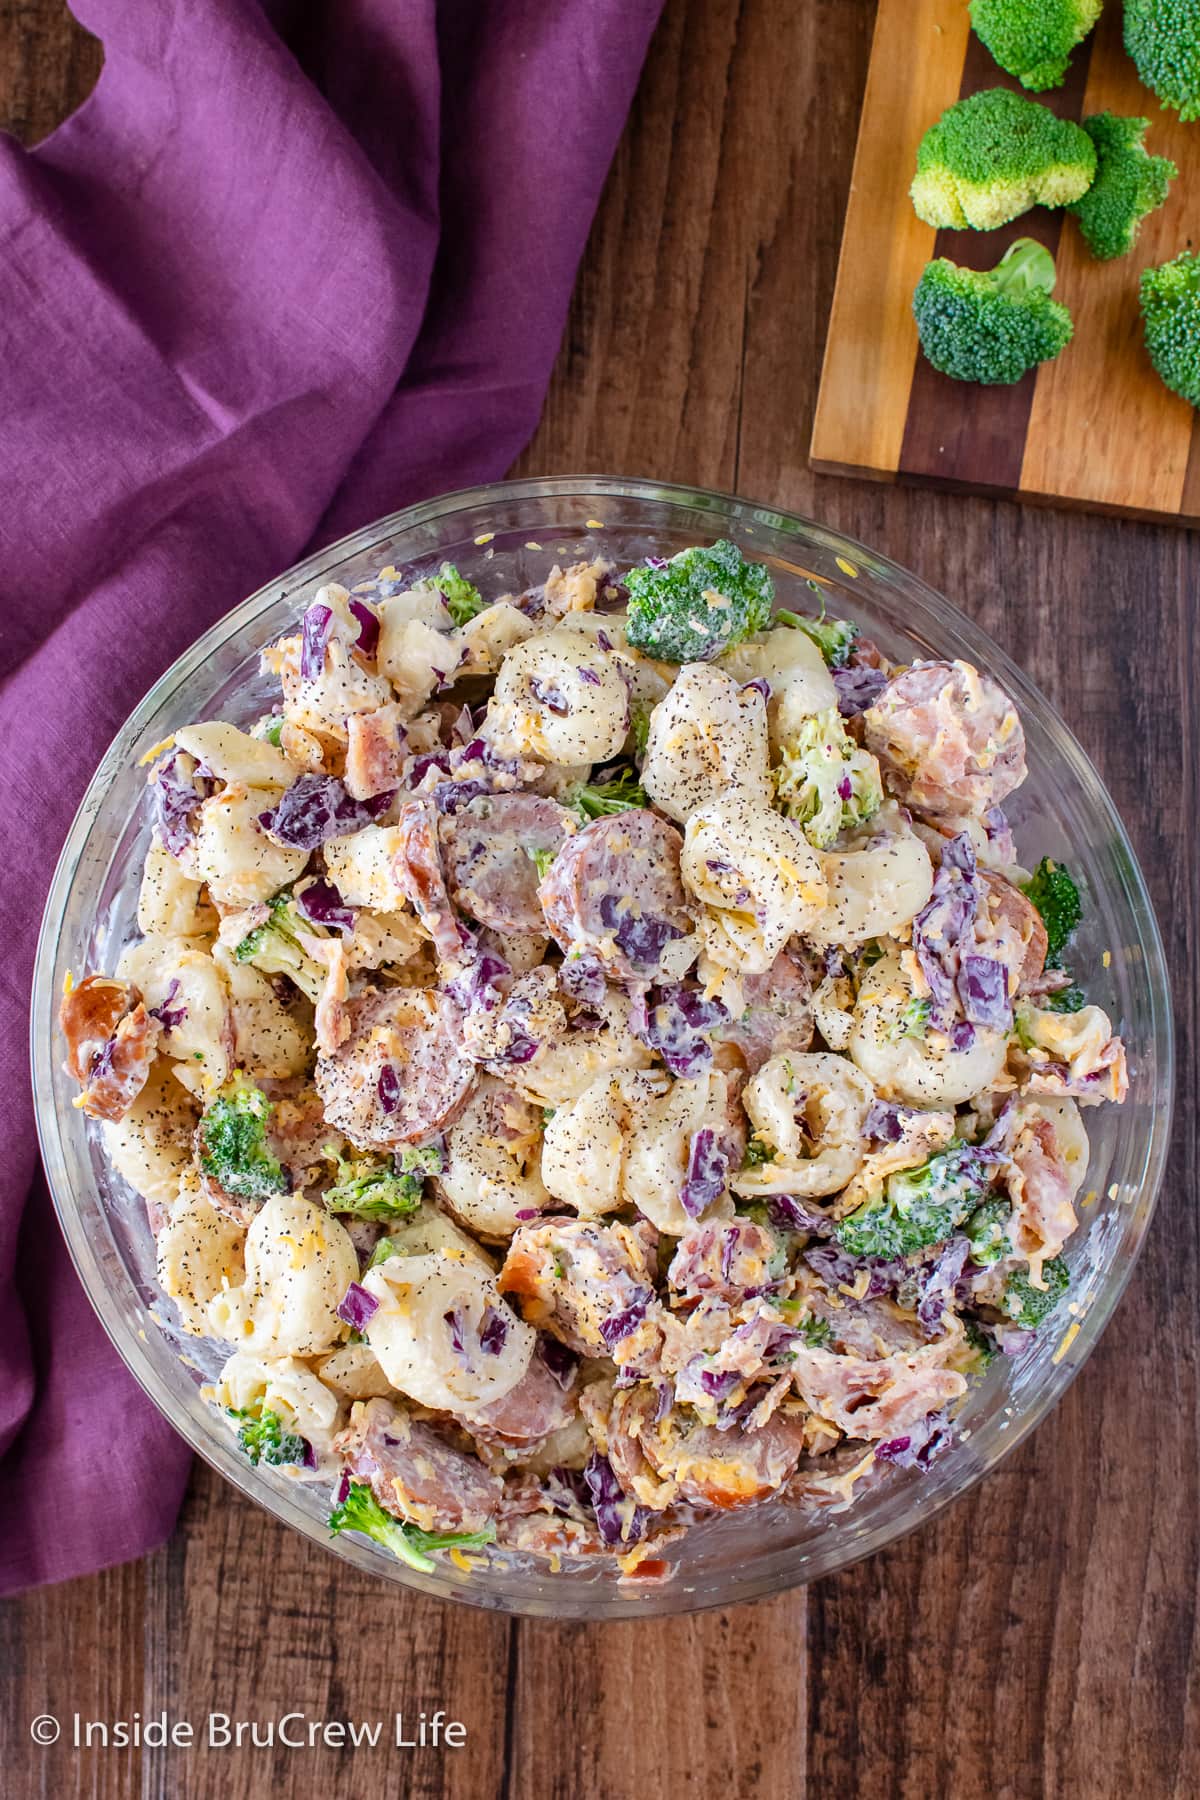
(262, 1437)
(640, 727)
(275, 948)
(991, 326)
(757, 1153)
(361, 1511)
(461, 598)
(541, 860)
(992, 156)
(1027, 1305)
(1033, 39)
(1163, 38)
(1129, 184)
(825, 781)
(1056, 897)
(696, 605)
(1171, 318)
(616, 794)
(368, 1187)
(982, 1343)
(917, 1207)
(834, 638)
(234, 1148)
(985, 1231)
(816, 1332)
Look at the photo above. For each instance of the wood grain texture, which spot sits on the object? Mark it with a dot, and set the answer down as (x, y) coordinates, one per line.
(1040, 1638)
(1096, 427)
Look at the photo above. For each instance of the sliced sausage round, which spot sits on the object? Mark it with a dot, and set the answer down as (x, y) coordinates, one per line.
(777, 1015)
(488, 851)
(418, 869)
(401, 1075)
(614, 891)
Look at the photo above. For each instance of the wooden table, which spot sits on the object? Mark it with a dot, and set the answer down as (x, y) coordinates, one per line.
(1040, 1637)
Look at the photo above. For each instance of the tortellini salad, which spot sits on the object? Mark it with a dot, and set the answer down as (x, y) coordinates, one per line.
(593, 1058)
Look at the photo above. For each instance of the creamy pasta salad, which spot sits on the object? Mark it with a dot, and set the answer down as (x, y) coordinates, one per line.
(593, 1057)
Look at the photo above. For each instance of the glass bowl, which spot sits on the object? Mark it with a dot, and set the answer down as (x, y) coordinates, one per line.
(506, 538)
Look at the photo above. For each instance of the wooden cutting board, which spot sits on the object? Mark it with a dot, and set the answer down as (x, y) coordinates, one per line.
(1096, 428)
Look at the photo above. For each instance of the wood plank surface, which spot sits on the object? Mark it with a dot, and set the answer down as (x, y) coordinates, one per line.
(1040, 1638)
(1094, 428)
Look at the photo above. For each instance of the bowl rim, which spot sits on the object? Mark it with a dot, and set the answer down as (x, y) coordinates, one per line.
(134, 1352)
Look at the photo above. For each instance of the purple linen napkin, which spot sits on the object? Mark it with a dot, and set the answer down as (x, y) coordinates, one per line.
(287, 269)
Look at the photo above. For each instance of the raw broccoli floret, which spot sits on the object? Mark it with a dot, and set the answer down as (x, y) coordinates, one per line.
(262, 1437)
(816, 1332)
(234, 1148)
(361, 1511)
(917, 1207)
(993, 155)
(1027, 1305)
(617, 793)
(985, 1231)
(825, 781)
(991, 326)
(640, 727)
(368, 1187)
(1163, 38)
(461, 598)
(1056, 897)
(1171, 318)
(1129, 184)
(913, 1021)
(696, 605)
(1033, 39)
(275, 948)
(834, 638)
(1067, 1000)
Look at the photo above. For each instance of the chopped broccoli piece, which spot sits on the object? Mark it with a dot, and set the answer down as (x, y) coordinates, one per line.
(1163, 38)
(640, 725)
(757, 1153)
(916, 1207)
(816, 1332)
(1056, 897)
(991, 326)
(617, 793)
(993, 155)
(1171, 319)
(1027, 1305)
(262, 1437)
(698, 604)
(981, 1341)
(1067, 1000)
(1130, 183)
(825, 781)
(269, 728)
(234, 1148)
(541, 860)
(361, 1511)
(275, 947)
(985, 1231)
(368, 1187)
(462, 599)
(834, 638)
(1033, 39)
(914, 1019)
(384, 1251)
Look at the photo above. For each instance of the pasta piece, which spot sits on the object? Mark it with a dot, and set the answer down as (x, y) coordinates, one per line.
(151, 1147)
(491, 1175)
(169, 902)
(200, 1254)
(362, 867)
(758, 877)
(289, 1388)
(268, 1041)
(706, 740)
(877, 883)
(924, 1070)
(234, 756)
(559, 697)
(443, 1334)
(663, 1126)
(810, 1112)
(236, 858)
(794, 670)
(481, 645)
(353, 1370)
(180, 979)
(299, 1263)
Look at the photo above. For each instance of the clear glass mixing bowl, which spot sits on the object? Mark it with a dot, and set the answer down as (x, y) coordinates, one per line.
(506, 538)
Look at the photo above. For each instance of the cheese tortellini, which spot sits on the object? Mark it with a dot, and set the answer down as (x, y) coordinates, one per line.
(877, 882)
(707, 739)
(926, 1069)
(559, 696)
(287, 1387)
(299, 1263)
(809, 1111)
(758, 878)
(443, 1334)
